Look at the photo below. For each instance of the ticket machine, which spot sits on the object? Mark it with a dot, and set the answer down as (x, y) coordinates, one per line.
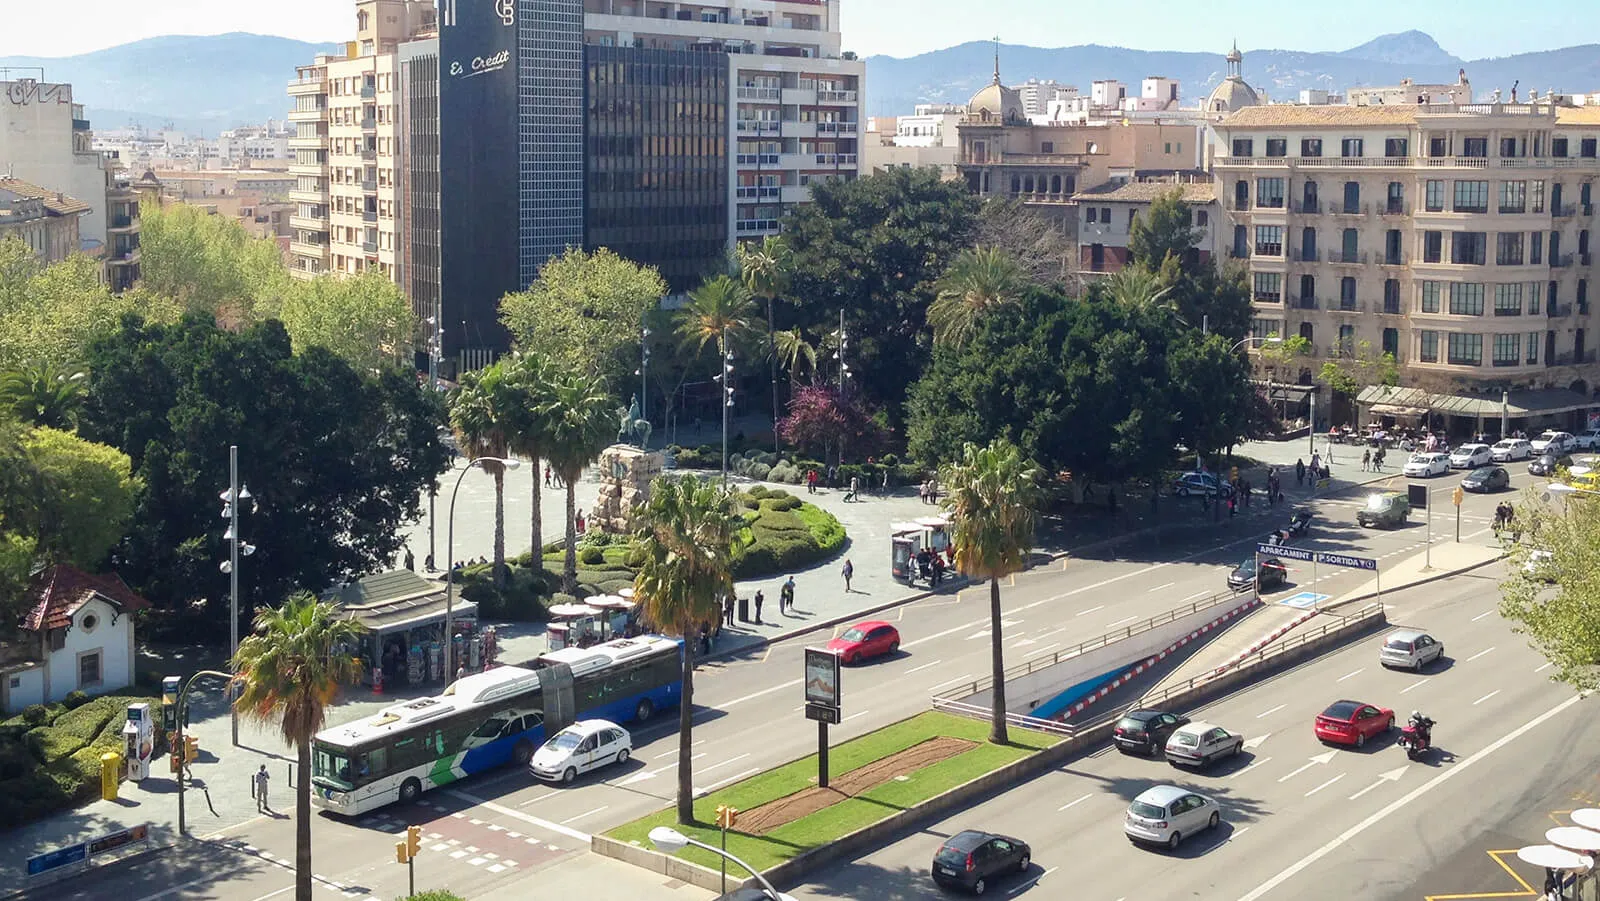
(138, 742)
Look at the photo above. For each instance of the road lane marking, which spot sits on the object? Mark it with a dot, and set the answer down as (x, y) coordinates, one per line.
(1543, 668)
(1252, 766)
(1417, 684)
(1091, 610)
(1161, 588)
(1482, 615)
(1031, 882)
(956, 681)
(1198, 594)
(1270, 712)
(734, 778)
(1350, 675)
(1391, 776)
(1238, 832)
(516, 814)
(1405, 802)
(1320, 758)
(1324, 785)
(1121, 621)
(1486, 697)
(762, 693)
(585, 814)
(707, 769)
(546, 795)
(917, 669)
(1479, 654)
(845, 720)
(1071, 803)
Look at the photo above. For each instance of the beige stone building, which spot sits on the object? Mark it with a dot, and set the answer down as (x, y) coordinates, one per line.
(1106, 214)
(345, 114)
(46, 221)
(1454, 236)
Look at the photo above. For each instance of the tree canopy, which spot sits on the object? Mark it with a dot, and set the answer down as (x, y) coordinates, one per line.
(1555, 598)
(364, 320)
(335, 458)
(211, 264)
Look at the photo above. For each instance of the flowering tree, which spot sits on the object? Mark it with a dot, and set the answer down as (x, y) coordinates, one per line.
(819, 418)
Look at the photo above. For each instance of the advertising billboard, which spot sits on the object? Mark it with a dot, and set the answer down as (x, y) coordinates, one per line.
(822, 677)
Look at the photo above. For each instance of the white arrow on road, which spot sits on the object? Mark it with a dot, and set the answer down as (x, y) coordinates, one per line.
(1250, 744)
(1320, 758)
(984, 633)
(1391, 776)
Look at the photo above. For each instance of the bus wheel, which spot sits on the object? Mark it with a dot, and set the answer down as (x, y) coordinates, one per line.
(409, 790)
(644, 710)
(522, 752)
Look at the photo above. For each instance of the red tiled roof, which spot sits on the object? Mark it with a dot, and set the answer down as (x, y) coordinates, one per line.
(60, 591)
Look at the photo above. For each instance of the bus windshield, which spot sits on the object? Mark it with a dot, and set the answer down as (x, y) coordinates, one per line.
(331, 765)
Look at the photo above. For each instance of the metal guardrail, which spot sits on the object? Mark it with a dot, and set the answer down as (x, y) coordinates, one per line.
(1353, 622)
(1021, 721)
(966, 689)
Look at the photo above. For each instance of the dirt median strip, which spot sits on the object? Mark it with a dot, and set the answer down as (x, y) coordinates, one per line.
(771, 815)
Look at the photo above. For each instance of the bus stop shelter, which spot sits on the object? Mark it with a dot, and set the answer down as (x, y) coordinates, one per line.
(404, 617)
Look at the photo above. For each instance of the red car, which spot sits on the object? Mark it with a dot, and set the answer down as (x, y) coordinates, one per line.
(873, 638)
(1352, 722)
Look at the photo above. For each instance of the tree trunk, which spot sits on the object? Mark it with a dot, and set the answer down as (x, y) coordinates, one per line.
(538, 516)
(500, 528)
(997, 734)
(569, 568)
(772, 373)
(302, 821)
(685, 732)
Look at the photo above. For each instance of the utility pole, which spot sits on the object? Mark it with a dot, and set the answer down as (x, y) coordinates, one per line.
(726, 378)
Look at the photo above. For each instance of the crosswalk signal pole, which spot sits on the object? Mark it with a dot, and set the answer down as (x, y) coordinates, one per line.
(406, 852)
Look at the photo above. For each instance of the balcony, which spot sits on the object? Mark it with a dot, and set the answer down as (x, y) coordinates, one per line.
(1075, 160)
(836, 128)
(758, 192)
(836, 159)
(299, 86)
(1564, 211)
(369, 216)
(1585, 259)
(756, 127)
(1573, 358)
(756, 226)
(369, 154)
(369, 248)
(1395, 209)
(124, 257)
(1559, 310)
(368, 91)
(1271, 205)
(369, 124)
(1392, 308)
(1304, 303)
(1588, 209)
(1300, 255)
(309, 223)
(315, 114)
(315, 142)
(1351, 210)
(1454, 162)
(123, 225)
(836, 96)
(1396, 259)
(796, 129)
(1308, 207)
(368, 186)
(305, 249)
(757, 159)
(799, 97)
(1343, 258)
(317, 197)
(1266, 298)
(1349, 305)
(1561, 261)
(795, 194)
(313, 169)
(769, 95)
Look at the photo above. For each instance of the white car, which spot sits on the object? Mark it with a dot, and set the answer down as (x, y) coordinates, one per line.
(1424, 465)
(1540, 566)
(1198, 744)
(583, 746)
(1410, 649)
(1167, 814)
(1507, 449)
(1589, 440)
(1554, 442)
(1470, 456)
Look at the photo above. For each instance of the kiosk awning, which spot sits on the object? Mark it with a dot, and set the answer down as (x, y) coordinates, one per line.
(393, 601)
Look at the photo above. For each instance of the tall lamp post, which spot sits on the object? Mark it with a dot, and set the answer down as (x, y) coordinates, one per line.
(435, 347)
(236, 547)
(450, 563)
(671, 841)
(725, 378)
(1216, 509)
(644, 375)
(181, 751)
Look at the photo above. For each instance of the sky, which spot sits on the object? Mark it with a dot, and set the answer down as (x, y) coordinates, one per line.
(1466, 28)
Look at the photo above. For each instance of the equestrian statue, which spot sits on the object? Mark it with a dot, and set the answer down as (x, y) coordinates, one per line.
(635, 430)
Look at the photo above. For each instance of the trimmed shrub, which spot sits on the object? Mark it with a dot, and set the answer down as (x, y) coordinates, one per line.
(784, 472)
(74, 700)
(562, 597)
(781, 504)
(635, 558)
(50, 744)
(87, 721)
(591, 556)
(613, 586)
(758, 491)
(775, 520)
(759, 471)
(37, 715)
(750, 501)
(434, 895)
(767, 458)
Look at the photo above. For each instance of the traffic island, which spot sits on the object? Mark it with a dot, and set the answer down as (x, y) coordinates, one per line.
(785, 816)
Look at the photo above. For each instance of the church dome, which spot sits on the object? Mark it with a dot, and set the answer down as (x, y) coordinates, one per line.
(1233, 94)
(995, 103)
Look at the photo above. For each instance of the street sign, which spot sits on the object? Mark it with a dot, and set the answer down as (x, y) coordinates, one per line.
(1304, 555)
(1418, 494)
(1286, 552)
(823, 713)
(1353, 562)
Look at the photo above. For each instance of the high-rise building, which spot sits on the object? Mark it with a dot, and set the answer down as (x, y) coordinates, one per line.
(1456, 237)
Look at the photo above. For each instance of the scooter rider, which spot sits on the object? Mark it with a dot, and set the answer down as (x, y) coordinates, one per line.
(1422, 726)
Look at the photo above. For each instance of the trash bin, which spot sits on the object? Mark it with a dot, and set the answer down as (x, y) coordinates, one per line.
(744, 610)
(110, 775)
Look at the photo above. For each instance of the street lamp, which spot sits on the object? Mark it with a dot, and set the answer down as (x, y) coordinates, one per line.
(236, 546)
(725, 379)
(670, 841)
(450, 563)
(644, 375)
(435, 357)
(181, 750)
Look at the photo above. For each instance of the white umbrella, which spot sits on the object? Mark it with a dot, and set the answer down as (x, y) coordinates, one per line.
(1574, 838)
(572, 611)
(625, 593)
(1550, 857)
(1588, 817)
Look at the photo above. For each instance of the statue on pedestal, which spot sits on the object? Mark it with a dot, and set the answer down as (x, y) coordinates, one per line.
(634, 429)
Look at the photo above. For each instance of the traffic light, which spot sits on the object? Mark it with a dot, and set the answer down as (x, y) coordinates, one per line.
(726, 816)
(413, 840)
(1456, 497)
(400, 854)
(191, 748)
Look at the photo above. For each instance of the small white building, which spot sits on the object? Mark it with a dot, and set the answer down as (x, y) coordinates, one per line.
(76, 636)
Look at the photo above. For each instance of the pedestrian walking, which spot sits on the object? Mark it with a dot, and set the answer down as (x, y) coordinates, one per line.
(547, 476)
(758, 599)
(411, 560)
(786, 596)
(833, 476)
(1299, 473)
(728, 601)
(1233, 504)
(849, 572)
(811, 481)
(885, 480)
(261, 780)
(855, 489)
(1366, 460)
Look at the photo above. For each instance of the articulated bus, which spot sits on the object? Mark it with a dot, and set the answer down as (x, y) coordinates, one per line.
(488, 719)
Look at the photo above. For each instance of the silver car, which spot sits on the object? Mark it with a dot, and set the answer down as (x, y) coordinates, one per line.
(1167, 814)
(1198, 744)
(1410, 649)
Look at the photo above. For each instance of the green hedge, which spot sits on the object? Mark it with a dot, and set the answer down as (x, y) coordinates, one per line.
(785, 534)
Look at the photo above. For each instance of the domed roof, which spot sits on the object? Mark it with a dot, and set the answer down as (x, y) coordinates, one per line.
(995, 102)
(1232, 95)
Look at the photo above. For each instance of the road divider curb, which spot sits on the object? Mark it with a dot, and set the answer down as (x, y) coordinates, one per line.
(1269, 638)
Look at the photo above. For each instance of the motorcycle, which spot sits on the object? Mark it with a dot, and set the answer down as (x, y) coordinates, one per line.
(1417, 738)
(1300, 524)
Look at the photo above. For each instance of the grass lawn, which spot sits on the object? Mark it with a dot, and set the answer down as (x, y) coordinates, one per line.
(791, 839)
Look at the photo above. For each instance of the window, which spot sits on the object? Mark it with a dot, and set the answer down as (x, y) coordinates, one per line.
(1277, 147)
(1535, 247)
(1269, 287)
(1471, 197)
(1311, 147)
(1349, 246)
(1201, 217)
(1269, 193)
(1533, 347)
(1391, 342)
(1308, 244)
(1269, 240)
(1508, 249)
(1508, 299)
(1352, 197)
(1092, 214)
(1466, 299)
(1132, 215)
(1047, 147)
(1432, 247)
(1476, 148)
(1507, 350)
(1535, 292)
(1588, 148)
(1438, 147)
(1397, 198)
(1391, 248)
(88, 669)
(1428, 347)
(1241, 242)
(1468, 248)
(1350, 147)
(1241, 195)
(1243, 147)
(1105, 215)
(1513, 196)
(1465, 350)
(1509, 148)
(1395, 147)
(1558, 147)
(1434, 201)
(1391, 295)
(1265, 328)
(1347, 293)
(1308, 292)
(1347, 339)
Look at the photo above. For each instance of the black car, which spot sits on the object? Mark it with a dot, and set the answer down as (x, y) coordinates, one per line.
(1487, 478)
(1547, 464)
(971, 859)
(1272, 573)
(1145, 731)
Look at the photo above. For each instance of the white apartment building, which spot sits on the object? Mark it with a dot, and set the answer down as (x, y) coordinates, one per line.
(255, 142)
(1036, 95)
(926, 138)
(345, 114)
(1409, 92)
(1455, 236)
(796, 96)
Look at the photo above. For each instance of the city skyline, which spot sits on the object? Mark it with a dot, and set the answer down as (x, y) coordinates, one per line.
(892, 27)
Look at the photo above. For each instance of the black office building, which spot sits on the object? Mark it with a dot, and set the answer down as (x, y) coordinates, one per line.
(657, 161)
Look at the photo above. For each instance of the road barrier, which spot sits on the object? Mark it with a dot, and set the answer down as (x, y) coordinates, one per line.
(70, 860)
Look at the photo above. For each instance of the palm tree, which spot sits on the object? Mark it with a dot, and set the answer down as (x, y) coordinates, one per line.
(1138, 286)
(289, 670)
(994, 496)
(478, 418)
(793, 351)
(528, 377)
(719, 304)
(765, 270)
(688, 538)
(978, 281)
(578, 415)
(42, 394)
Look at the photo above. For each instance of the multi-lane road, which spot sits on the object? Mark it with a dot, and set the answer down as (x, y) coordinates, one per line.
(490, 833)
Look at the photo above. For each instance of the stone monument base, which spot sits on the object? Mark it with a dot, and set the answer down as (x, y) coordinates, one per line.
(625, 476)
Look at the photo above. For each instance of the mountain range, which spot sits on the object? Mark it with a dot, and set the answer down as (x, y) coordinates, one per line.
(205, 84)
